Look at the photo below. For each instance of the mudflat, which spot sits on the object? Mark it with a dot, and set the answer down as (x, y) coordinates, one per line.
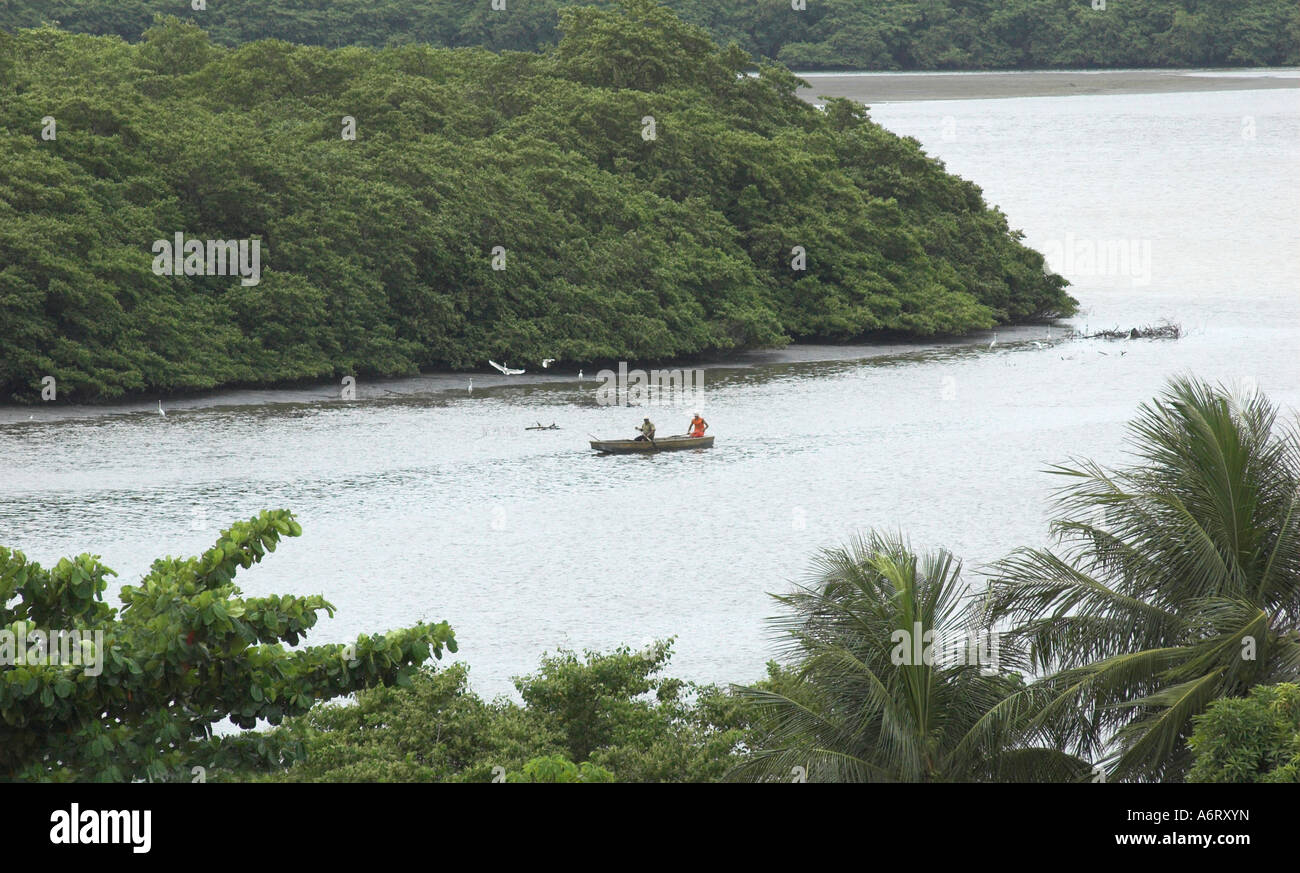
(897, 87)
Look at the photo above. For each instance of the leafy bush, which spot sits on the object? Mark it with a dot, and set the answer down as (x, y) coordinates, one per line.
(611, 712)
(1249, 739)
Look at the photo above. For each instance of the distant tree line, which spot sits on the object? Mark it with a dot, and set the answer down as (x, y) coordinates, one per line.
(825, 34)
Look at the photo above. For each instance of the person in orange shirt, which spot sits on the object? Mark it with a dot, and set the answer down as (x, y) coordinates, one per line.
(698, 426)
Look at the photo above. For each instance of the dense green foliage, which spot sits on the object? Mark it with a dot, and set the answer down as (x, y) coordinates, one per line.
(612, 713)
(1249, 739)
(377, 253)
(137, 699)
(827, 34)
(865, 708)
(557, 768)
(1178, 580)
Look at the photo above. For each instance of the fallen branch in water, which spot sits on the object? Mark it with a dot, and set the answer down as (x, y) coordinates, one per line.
(1164, 330)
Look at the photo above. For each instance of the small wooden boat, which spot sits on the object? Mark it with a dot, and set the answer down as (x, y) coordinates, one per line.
(660, 444)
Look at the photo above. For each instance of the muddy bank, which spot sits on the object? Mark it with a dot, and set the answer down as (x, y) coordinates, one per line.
(451, 385)
(898, 87)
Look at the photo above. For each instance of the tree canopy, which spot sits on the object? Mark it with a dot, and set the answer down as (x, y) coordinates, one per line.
(1249, 739)
(628, 195)
(92, 693)
(595, 717)
(825, 34)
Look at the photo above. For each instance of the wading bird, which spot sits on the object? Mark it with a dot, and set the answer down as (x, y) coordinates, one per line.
(160, 409)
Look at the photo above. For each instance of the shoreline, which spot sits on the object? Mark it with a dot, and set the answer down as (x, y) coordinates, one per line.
(876, 87)
(442, 384)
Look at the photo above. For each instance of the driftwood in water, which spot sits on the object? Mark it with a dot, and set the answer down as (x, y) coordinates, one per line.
(1165, 330)
(540, 426)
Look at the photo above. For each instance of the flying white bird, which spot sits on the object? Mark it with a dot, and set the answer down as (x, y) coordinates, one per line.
(505, 369)
(546, 362)
(160, 409)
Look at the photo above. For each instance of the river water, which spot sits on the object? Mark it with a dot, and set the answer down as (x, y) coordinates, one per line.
(423, 500)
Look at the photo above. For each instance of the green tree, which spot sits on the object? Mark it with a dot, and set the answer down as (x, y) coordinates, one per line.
(617, 711)
(173, 47)
(1177, 582)
(433, 730)
(611, 713)
(137, 697)
(1249, 739)
(557, 768)
(859, 704)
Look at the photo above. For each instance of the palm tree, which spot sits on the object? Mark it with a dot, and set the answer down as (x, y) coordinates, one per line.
(860, 706)
(1177, 582)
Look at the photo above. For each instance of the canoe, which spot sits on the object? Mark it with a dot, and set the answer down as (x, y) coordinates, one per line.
(661, 444)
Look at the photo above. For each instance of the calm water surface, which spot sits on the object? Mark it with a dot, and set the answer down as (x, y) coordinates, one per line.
(430, 504)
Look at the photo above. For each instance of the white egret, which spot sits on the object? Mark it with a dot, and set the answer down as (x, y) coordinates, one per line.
(160, 409)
